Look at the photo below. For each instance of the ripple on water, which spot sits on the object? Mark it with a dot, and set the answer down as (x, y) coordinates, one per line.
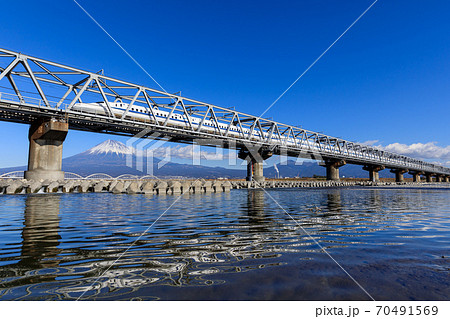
(220, 246)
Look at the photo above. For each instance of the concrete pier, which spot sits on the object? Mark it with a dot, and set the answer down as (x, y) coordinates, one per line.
(45, 154)
(255, 161)
(429, 178)
(416, 176)
(332, 167)
(399, 178)
(373, 172)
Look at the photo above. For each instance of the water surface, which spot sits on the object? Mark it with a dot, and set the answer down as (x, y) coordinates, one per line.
(227, 246)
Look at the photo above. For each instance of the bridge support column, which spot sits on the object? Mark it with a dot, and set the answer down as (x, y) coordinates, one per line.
(45, 154)
(332, 167)
(446, 179)
(416, 176)
(373, 172)
(255, 163)
(438, 178)
(399, 178)
(429, 177)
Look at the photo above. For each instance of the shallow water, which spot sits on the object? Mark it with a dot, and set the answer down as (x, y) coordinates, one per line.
(227, 246)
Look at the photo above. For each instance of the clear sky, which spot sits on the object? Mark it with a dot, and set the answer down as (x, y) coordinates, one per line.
(386, 80)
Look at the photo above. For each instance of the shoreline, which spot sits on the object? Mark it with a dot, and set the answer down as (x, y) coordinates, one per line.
(175, 187)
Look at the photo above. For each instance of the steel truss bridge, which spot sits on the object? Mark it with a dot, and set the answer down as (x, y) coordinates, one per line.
(56, 88)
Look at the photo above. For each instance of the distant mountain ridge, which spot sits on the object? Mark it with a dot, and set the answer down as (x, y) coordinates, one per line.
(110, 157)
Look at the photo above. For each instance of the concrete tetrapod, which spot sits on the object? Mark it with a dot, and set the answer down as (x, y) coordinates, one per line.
(175, 187)
(68, 187)
(161, 188)
(118, 188)
(34, 187)
(207, 187)
(133, 188)
(217, 186)
(148, 188)
(196, 187)
(53, 187)
(14, 187)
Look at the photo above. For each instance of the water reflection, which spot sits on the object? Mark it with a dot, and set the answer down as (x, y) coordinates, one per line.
(334, 203)
(255, 202)
(37, 260)
(254, 208)
(40, 236)
(375, 200)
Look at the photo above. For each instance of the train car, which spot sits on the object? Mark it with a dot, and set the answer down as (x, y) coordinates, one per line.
(141, 113)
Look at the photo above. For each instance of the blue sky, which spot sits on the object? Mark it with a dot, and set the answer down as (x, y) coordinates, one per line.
(385, 81)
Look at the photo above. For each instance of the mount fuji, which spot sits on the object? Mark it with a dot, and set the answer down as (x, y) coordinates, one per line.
(115, 158)
(111, 157)
(111, 147)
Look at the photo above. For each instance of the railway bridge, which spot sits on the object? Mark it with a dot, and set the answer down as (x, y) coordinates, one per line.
(53, 98)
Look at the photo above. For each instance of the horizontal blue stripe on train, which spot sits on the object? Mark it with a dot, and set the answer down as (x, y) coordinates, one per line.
(183, 121)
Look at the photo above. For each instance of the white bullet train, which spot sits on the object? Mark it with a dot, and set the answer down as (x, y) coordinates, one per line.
(141, 113)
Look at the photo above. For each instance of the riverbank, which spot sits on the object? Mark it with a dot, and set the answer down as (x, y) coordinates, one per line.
(168, 187)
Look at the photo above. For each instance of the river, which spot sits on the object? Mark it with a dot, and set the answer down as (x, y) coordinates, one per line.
(275, 244)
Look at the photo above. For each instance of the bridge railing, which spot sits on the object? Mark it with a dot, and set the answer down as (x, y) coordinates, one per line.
(27, 100)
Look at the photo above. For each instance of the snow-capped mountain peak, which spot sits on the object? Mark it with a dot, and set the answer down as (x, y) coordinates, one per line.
(110, 147)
